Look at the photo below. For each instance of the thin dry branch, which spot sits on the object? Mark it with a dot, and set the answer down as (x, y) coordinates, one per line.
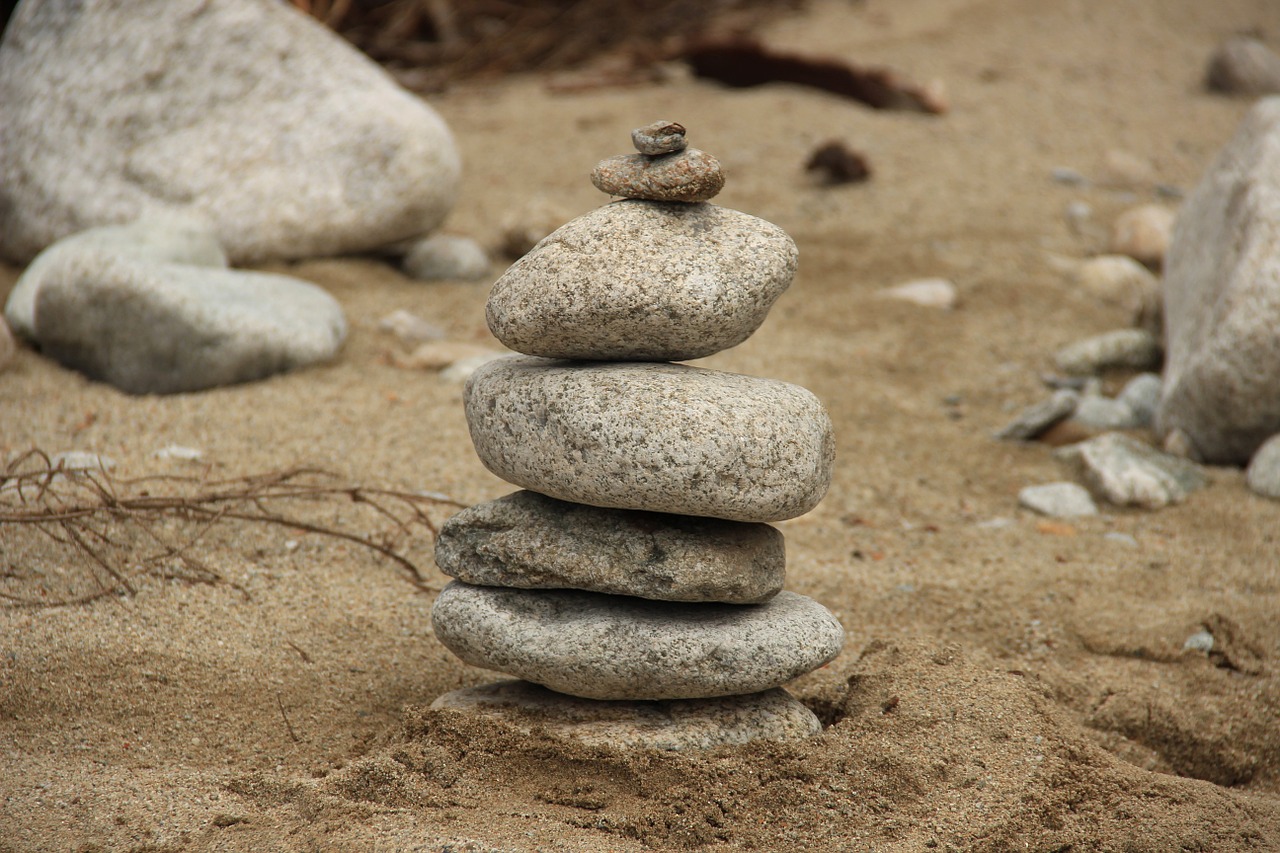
(101, 518)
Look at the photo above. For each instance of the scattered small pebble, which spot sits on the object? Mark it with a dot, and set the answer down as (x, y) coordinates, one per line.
(1142, 233)
(1142, 395)
(1120, 538)
(1263, 473)
(1121, 281)
(81, 460)
(461, 370)
(1127, 472)
(528, 225)
(446, 257)
(177, 451)
(1121, 349)
(1032, 421)
(998, 523)
(410, 328)
(1200, 641)
(1068, 176)
(1103, 413)
(437, 355)
(661, 137)
(1077, 214)
(1243, 65)
(1126, 169)
(926, 292)
(1058, 500)
(836, 163)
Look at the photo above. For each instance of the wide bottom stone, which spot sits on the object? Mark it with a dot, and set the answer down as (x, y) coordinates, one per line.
(618, 647)
(673, 724)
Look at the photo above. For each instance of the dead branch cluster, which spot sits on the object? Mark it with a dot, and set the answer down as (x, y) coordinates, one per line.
(98, 533)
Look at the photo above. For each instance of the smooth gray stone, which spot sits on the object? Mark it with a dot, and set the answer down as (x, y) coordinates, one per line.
(1142, 395)
(1058, 500)
(1263, 473)
(180, 239)
(288, 139)
(1121, 349)
(1127, 472)
(1104, 413)
(446, 257)
(1039, 417)
(159, 328)
(1222, 300)
(617, 647)
(531, 541)
(656, 437)
(1244, 65)
(643, 281)
(671, 724)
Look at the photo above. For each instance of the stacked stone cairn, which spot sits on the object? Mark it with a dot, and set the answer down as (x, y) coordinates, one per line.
(636, 587)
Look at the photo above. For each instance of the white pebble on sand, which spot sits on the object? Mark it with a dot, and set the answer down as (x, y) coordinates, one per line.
(925, 292)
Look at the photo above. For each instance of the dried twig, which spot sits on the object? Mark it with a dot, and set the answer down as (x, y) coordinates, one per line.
(116, 523)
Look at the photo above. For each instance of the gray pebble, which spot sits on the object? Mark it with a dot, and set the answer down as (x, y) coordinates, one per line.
(1244, 65)
(1200, 641)
(661, 137)
(690, 176)
(705, 281)
(1142, 395)
(157, 328)
(1263, 473)
(618, 647)
(1104, 413)
(446, 257)
(1058, 500)
(531, 541)
(1127, 472)
(657, 437)
(1036, 419)
(1121, 349)
(671, 724)
(410, 328)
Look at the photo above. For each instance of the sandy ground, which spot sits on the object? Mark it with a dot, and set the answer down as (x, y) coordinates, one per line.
(1003, 687)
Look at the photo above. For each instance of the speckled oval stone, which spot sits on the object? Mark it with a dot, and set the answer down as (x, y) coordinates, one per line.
(690, 175)
(659, 137)
(636, 281)
(671, 724)
(656, 437)
(617, 647)
(531, 541)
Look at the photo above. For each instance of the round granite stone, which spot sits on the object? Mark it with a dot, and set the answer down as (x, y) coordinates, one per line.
(617, 647)
(672, 724)
(656, 437)
(690, 175)
(531, 541)
(635, 281)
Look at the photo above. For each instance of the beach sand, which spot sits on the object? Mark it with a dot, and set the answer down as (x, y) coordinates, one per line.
(1008, 682)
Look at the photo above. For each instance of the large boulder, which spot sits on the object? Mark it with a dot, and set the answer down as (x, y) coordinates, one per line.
(1222, 301)
(286, 138)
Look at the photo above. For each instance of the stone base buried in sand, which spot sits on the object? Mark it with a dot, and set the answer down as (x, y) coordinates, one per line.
(671, 724)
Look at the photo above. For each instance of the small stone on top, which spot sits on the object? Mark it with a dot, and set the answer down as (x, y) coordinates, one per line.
(661, 137)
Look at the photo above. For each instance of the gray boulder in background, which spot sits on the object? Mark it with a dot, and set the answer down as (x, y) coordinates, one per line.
(1222, 301)
(291, 142)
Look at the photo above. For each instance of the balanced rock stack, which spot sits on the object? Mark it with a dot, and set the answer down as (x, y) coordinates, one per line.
(636, 587)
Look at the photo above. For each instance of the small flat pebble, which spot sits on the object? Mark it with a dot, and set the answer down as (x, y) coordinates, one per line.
(179, 452)
(1243, 65)
(927, 293)
(690, 175)
(1142, 395)
(1200, 641)
(705, 282)
(1126, 472)
(1103, 413)
(463, 369)
(446, 257)
(410, 328)
(1142, 233)
(617, 647)
(1068, 176)
(1121, 281)
(660, 137)
(1263, 473)
(1121, 349)
(1120, 538)
(671, 724)
(530, 541)
(1034, 420)
(656, 437)
(81, 460)
(437, 355)
(1058, 500)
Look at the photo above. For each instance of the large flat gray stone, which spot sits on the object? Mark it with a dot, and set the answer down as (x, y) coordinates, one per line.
(157, 328)
(643, 281)
(657, 437)
(289, 140)
(617, 647)
(672, 724)
(1222, 300)
(531, 541)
